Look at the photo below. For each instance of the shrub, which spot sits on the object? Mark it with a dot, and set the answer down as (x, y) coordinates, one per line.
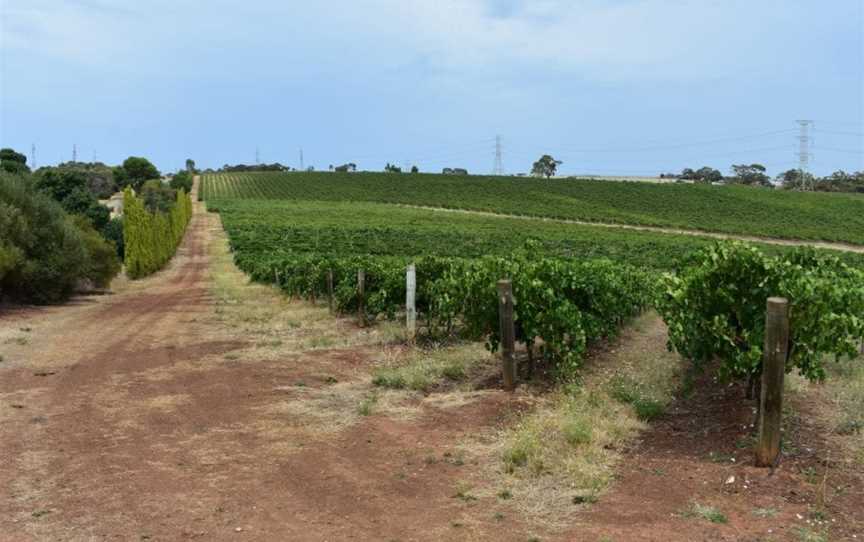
(102, 262)
(113, 231)
(42, 253)
(182, 180)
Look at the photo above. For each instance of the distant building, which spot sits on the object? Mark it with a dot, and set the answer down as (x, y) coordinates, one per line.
(114, 204)
(454, 171)
(350, 167)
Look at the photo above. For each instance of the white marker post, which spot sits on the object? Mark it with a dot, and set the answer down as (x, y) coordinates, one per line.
(410, 301)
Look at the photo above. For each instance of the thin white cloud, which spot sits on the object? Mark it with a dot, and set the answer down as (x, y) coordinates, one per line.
(617, 39)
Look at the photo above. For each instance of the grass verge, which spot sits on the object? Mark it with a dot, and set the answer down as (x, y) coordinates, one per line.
(426, 369)
(564, 451)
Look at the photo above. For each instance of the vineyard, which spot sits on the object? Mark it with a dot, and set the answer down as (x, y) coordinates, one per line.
(725, 209)
(458, 261)
(575, 284)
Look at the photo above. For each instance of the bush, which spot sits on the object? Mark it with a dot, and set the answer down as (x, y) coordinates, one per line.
(102, 262)
(42, 253)
(113, 231)
(182, 180)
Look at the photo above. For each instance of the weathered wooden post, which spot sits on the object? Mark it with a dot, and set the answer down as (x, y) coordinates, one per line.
(411, 301)
(508, 333)
(361, 291)
(773, 371)
(330, 290)
(276, 275)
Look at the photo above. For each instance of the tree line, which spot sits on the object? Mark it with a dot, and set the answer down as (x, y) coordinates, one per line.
(791, 179)
(56, 235)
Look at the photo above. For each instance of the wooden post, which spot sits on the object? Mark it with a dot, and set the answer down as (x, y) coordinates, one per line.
(773, 371)
(361, 287)
(330, 290)
(410, 301)
(276, 275)
(508, 333)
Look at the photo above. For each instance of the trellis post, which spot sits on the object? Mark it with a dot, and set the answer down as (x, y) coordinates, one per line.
(508, 333)
(773, 371)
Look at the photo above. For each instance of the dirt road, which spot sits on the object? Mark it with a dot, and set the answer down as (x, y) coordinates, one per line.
(157, 413)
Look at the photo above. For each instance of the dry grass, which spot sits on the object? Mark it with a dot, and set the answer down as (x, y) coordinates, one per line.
(564, 451)
(421, 370)
(319, 410)
(276, 323)
(839, 404)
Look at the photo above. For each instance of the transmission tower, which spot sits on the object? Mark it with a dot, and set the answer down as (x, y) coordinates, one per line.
(499, 163)
(74, 152)
(805, 143)
(33, 156)
(301, 159)
(257, 156)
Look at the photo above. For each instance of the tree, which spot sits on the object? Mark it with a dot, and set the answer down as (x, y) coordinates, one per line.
(113, 231)
(840, 181)
(708, 175)
(392, 168)
(121, 177)
(546, 166)
(183, 179)
(99, 177)
(190, 166)
(156, 196)
(415, 169)
(59, 184)
(795, 179)
(139, 170)
(704, 174)
(82, 203)
(750, 175)
(13, 162)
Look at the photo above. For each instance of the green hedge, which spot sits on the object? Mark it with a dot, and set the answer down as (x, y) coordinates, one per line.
(151, 238)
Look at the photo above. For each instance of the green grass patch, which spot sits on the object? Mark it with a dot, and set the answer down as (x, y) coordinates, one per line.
(426, 369)
(708, 513)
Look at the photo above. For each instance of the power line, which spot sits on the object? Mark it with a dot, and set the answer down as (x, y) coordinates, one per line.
(838, 132)
(850, 151)
(699, 157)
(678, 145)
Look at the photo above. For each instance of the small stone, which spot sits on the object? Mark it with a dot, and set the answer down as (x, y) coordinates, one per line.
(238, 530)
(730, 480)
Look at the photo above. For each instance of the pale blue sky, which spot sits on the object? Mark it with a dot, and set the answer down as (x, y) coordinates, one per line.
(610, 87)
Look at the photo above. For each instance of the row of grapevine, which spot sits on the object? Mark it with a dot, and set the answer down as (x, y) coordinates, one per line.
(728, 209)
(151, 238)
(715, 308)
(564, 303)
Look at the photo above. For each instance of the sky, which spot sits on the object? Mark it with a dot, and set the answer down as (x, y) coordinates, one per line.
(614, 87)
